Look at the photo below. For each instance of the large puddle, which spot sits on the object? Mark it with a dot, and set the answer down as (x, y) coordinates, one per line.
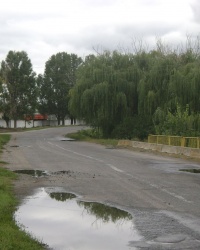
(62, 221)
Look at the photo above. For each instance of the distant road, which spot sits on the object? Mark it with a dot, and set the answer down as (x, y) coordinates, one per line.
(164, 202)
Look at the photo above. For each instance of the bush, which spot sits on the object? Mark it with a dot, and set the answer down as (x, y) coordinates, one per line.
(134, 127)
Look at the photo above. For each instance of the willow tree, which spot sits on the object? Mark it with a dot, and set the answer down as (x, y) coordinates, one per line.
(153, 89)
(185, 86)
(106, 91)
(180, 97)
(19, 93)
(59, 77)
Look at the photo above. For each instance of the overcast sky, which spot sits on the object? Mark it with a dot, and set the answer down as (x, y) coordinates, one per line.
(45, 27)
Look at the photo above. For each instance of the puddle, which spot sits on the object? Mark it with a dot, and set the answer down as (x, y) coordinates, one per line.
(196, 171)
(67, 139)
(62, 172)
(34, 173)
(62, 221)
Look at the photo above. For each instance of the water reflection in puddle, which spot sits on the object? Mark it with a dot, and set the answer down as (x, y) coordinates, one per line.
(62, 221)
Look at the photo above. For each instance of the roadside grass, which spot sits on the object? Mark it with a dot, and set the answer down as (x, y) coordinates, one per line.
(11, 236)
(45, 127)
(88, 135)
(10, 130)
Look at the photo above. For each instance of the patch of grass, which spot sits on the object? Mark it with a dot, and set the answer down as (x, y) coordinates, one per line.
(4, 138)
(89, 136)
(11, 236)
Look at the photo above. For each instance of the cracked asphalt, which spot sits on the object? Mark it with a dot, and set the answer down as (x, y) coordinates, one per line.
(164, 202)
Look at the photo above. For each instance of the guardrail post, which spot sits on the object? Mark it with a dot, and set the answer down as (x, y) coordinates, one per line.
(169, 140)
(183, 142)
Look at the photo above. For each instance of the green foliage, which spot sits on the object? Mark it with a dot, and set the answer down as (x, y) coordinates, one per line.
(19, 93)
(123, 95)
(92, 135)
(54, 86)
(11, 237)
(119, 95)
(181, 122)
(134, 128)
(62, 196)
(4, 138)
(105, 213)
(106, 90)
(87, 133)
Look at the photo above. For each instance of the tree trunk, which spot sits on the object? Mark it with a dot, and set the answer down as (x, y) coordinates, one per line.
(6, 119)
(63, 121)
(58, 120)
(15, 123)
(73, 120)
(7, 123)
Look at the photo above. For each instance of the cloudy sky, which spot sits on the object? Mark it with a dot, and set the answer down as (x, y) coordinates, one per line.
(45, 27)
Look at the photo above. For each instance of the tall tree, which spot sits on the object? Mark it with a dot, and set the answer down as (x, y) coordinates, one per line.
(18, 86)
(130, 95)
(59, 78)
(106, 91)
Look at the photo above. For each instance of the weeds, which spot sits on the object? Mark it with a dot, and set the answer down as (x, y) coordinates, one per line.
(11, 236)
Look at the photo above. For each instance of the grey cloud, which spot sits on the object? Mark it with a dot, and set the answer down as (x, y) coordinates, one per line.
(147, 29)
(111, 37)
(37, 33)
(101, 3)
(195, 6)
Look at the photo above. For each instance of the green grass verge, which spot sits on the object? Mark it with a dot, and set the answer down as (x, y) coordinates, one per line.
(86, 135)
(11, 236)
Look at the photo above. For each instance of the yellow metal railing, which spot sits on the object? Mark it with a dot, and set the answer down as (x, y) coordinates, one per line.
(192, 142)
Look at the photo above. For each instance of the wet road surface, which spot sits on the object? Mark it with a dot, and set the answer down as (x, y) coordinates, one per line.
(163, 201)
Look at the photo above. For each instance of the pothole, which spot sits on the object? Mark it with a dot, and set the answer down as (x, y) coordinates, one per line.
(34, 173)
(62, 172)
(175, 238)
(14, 146)
(68, 173)
(196, 171)
(64, 221)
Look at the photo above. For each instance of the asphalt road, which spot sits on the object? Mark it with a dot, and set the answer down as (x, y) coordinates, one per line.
(164, 202)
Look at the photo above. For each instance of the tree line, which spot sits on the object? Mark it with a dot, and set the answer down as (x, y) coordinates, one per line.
(121, 95)
(23, 92)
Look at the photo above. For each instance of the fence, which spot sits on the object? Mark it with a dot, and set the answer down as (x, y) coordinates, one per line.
(192, 142)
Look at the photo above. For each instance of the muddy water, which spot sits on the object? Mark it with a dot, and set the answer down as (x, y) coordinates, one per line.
(64, 222)
(34, 173)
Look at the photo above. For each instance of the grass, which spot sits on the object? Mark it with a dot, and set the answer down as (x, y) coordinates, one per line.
(195, 171)
(87, 135)
(11, 236)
